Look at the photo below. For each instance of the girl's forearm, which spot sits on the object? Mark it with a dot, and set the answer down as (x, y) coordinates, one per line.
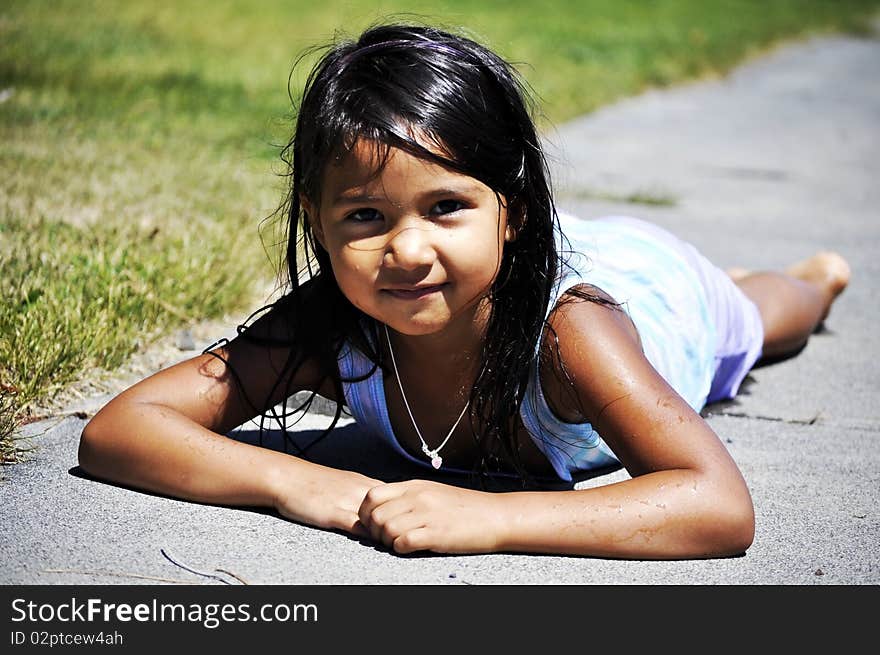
(663, 515)
(153, 447)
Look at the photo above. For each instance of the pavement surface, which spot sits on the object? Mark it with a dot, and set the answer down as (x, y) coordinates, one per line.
(758, 169)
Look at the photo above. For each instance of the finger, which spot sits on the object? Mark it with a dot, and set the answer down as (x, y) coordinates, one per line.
(413, 540)
(375, 497)
(399, 525)
(382, 514)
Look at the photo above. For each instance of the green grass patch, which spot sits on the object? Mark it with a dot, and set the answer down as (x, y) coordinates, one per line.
(139, 142)
(648, 197)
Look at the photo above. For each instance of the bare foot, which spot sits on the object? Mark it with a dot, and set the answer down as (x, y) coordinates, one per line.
(826, 270)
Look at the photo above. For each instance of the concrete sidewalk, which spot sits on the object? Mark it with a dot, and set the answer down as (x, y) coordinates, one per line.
(759, 169)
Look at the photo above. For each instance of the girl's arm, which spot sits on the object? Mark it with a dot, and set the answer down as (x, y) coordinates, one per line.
(686, 497)
(166, 434)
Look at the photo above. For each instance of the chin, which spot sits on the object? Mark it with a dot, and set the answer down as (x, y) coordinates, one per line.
(417, 328)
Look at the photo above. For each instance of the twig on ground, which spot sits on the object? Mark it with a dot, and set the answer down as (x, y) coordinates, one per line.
(230, 573)
(202, 573)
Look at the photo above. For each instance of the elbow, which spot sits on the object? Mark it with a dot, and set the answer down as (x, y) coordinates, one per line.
(88, 447)
(733, 527)
(93, 447)
(741, 531)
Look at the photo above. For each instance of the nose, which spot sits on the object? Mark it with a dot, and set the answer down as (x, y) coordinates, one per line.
(409, 249)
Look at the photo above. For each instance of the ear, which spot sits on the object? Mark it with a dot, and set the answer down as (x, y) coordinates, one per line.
(312, 217)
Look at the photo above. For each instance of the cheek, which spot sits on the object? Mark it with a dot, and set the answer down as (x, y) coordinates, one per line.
(354, 270)
(477, 255)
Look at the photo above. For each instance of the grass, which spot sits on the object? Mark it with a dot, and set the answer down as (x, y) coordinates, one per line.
(139, 143)
(648, 197)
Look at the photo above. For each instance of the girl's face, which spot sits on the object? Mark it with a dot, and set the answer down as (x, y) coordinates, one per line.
(416, 246)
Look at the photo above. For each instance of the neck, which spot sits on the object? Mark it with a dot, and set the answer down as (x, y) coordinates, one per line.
(458, 345)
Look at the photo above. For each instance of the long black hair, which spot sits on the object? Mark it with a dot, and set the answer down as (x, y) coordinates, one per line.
(396, 81)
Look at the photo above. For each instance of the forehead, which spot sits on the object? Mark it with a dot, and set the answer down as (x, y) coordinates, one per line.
(363, 162)
(379, 167)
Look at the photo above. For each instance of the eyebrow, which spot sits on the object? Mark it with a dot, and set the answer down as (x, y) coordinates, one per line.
(355, 197)
(358, 195)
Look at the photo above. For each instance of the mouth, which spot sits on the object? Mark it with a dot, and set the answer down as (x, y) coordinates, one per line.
(414, 292)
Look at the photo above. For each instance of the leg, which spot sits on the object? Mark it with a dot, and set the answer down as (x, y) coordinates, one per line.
(794, 303)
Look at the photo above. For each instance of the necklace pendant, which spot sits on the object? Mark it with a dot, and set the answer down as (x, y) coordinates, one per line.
(436, 460)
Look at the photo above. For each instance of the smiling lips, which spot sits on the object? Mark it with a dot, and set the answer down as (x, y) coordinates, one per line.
(411, 293)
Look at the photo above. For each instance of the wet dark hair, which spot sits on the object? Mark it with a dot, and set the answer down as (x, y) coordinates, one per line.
(471, 113)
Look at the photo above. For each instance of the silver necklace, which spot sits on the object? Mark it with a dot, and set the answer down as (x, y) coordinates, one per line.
(433, 455)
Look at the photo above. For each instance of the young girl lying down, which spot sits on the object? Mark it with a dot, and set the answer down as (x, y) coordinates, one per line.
(435, 290)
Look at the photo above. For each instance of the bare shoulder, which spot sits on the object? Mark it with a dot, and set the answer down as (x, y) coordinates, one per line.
(589, 341)
(596, 369)
(588, 305)
(587, 337)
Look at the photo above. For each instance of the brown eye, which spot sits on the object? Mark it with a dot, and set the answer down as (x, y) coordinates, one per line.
(447, 207)
(364, 216)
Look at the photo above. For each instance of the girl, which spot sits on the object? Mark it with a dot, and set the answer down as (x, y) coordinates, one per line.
(436, 292)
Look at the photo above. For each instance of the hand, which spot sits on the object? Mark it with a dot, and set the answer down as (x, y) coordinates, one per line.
(423, 515)
(326, 498)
